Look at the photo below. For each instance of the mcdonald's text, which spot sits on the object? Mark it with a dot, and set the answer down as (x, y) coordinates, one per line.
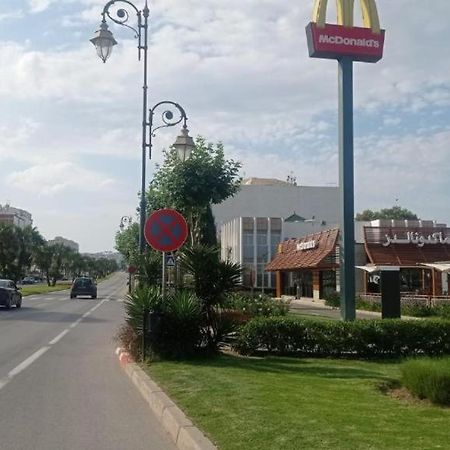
(336, 41)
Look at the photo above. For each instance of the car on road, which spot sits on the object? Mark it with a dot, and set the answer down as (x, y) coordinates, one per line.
(83, 286)
(28, 280)
(10, 294)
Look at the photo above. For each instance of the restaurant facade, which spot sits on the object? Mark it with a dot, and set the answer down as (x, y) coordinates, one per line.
(308, 266)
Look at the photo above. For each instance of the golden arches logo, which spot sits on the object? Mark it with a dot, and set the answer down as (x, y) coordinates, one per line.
(345, 13)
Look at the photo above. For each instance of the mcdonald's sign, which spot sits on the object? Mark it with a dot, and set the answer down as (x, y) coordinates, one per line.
(343, 39)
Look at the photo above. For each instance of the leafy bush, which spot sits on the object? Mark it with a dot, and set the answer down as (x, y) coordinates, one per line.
(333, 299)
(141, 299)
(428, 378)
(129, 339)
(260, 305)
(368, 339)
(180, 331)
(367, 305)
(409, 307)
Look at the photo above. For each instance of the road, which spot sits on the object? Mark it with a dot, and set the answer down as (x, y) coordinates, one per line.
(61, 386)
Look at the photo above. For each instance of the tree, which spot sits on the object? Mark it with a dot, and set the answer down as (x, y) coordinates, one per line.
(396, 213)
(212, 280)
(9, 248)
(192, 186)
(127, 243)
(18, 247)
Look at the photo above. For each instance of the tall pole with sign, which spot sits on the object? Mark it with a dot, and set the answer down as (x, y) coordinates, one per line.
(346, 43)
(166, 231)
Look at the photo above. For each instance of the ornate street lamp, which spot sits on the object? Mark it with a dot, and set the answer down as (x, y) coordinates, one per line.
(104, 42)
(125, 222)
(184, 145)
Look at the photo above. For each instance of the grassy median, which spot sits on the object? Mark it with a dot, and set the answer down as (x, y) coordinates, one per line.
(35, 289)
(293, 404)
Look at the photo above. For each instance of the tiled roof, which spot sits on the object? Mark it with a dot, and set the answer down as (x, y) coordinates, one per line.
(406, 255)
(290, 258)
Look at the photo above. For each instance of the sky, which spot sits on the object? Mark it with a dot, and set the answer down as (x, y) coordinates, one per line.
(70, 126)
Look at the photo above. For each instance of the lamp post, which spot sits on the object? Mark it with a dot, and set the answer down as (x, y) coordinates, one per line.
(125, 222)
(104, 42)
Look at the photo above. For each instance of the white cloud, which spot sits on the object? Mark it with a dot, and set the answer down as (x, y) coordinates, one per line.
(242, 72)
(37, 6)
(58, 177)
(15, 14)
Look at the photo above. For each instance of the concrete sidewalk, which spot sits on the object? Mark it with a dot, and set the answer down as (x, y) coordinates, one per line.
(309, 306)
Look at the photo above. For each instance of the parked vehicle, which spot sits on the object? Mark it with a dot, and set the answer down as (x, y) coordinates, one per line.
(28, 280)
(10, 294)
(83, 286)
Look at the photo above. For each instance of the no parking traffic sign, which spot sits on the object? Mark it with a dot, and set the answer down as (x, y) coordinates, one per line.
(166, 230)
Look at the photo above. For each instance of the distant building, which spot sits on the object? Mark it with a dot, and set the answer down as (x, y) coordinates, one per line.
(263, 214)
(15, 216)
(267, 197)
(114, 256)
(66, 242)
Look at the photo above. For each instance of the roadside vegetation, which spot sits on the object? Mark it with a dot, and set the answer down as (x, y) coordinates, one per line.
(24, 251)
(43, 288)
(413, 309)
(277, 403)
(240, 365)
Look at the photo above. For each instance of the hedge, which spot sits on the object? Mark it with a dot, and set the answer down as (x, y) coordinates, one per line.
(363, 338)
(428, 378)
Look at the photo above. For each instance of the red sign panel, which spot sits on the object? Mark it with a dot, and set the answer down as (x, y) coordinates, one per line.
(166, 230)
(336, 41)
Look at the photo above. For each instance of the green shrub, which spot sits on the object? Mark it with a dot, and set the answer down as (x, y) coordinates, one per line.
(259, 305)
(333, 299)
(365, 338)
(428, 378)
(180, 330)
(367, 305)
(140, 300)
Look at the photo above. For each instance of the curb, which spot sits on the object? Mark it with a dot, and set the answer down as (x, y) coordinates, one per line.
(183, 433)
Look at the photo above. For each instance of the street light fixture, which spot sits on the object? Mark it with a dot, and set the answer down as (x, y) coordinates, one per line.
(125, 222)
(104, 42)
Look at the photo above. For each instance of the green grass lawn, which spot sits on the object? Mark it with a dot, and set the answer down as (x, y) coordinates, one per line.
(34, 289)
(287, 403)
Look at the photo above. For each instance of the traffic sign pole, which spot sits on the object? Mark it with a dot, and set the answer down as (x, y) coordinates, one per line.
(163, 281)
(166, 231)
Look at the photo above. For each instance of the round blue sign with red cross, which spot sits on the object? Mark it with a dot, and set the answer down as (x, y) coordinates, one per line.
(166, 230)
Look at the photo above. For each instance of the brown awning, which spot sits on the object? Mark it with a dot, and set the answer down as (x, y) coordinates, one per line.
(407, 246)
(312, 251)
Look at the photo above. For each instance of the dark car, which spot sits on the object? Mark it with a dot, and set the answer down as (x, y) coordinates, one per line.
(10, 294)
(28, 280)
(83, 286)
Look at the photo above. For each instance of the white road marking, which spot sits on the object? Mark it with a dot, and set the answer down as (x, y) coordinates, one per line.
(24, 364)
(37, 354)
(60, 336)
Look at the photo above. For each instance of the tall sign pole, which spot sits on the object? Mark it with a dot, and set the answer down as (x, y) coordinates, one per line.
(346, 189)
(346, 43)
(166, 231)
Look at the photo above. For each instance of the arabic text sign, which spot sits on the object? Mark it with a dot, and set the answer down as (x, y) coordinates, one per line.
(416, 238)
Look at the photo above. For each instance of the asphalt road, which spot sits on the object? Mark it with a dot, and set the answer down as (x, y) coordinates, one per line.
(61, 386)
